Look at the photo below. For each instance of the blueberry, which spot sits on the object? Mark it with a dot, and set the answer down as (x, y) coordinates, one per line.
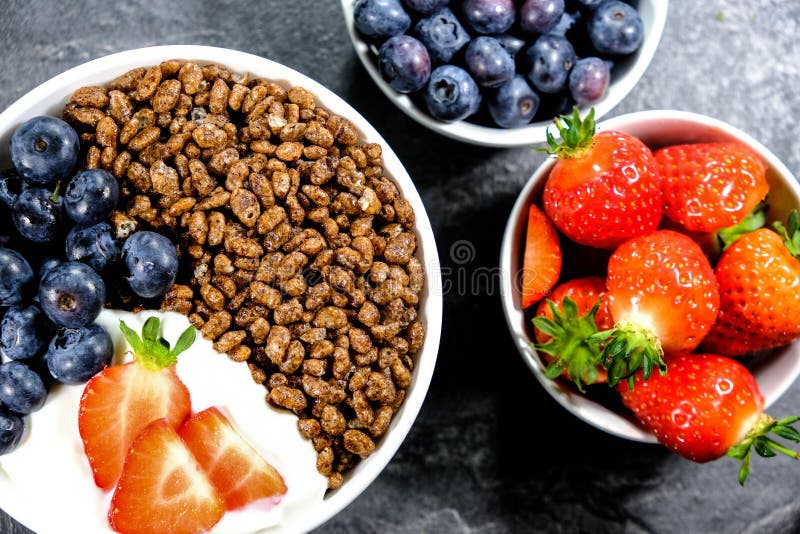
(24, 332)
(426, 7)
(12, 428)
(616, 28)
(94, 245)
(379, 19)
(590, 4)
(44, 150)
(540, 16)
(442, 34)
(589, 80)
(488, 62)
(550, 59)
(46, 265)
(452, 94)
(565, 23)
(514, 103)
(72, 294)
(511, 43)
(150, 263)
(91, 196)
(489, 16)
(77, 354)
(11, 185)
(21, 389)
(404, 63)
(16, 276)
(38, 214)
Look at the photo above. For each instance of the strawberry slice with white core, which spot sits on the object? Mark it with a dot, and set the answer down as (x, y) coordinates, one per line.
(162, 488)
(238, 472)
(120, 401)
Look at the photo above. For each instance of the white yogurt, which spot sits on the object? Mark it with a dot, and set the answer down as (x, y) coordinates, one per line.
(47, 483)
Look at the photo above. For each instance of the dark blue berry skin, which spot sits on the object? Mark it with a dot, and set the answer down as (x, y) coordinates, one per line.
(426, 7)
(12, 428)
(616, 28)
(590, 4)
(489, 16)
(44, 150)
(588, 80)
(46, 265)
(11, 185)
(24, 332)
(150, 263)
(452, 94)
(21, 389)
(489, 63)
(37, 216)
(442, 34)
(94, 245)
(16, 277)
(91, 196)
(565, 23)
(514, 103)
(77, 354)
(379, 19)
(511, 43)
(549, 61)
(540, 16)
(404, 63)
(72, 294)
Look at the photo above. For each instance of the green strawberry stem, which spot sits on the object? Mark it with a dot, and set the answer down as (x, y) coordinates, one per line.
(577, 135)
(757, 439)
(753, 221)
(153, 351)
(627, 348)
(570, 342)
(790, 235)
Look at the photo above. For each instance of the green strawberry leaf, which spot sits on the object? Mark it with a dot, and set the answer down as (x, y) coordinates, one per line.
(576, 135)
(151, 350)
(753, 221)
(628, 349)
(790, 233)
(757, 439)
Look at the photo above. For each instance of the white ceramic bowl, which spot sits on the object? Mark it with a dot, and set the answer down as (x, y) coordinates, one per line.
(625, 76)
(50, 97)
(656, 128)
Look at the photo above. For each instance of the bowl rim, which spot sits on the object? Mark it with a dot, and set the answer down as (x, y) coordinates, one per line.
(620, 425)
(103, 70)
(531, 134)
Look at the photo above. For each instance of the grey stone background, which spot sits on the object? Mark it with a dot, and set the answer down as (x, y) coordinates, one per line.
(490, 452)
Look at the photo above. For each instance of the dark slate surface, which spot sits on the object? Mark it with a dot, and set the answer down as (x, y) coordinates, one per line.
(490, 452)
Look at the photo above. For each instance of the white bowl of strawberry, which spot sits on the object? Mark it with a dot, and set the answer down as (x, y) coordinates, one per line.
(657, 255)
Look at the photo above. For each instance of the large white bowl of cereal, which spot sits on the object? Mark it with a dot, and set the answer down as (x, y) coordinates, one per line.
(306, 264)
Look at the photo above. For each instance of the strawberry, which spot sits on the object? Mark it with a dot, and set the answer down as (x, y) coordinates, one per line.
(710, 186)
(121, 400)
(575, 308)
(604, 188)
(663, 297)
(236, 470)
(759, 276)
(541, 264)
(162, 488)
(705, 407)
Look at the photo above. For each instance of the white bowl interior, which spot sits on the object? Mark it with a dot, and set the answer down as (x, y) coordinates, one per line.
(655, 128)
(50, 97)
(625, 76)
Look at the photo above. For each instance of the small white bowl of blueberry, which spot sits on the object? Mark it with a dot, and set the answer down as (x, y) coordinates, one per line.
(496, 72)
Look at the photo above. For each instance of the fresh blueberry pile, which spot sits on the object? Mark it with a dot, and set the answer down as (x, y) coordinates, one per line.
(56, 249)
(499, 62)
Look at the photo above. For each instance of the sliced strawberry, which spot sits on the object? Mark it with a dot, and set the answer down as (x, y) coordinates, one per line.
(710, 186)
(162, 488)
(117, 404)
(707, 406)
(541, 265)
(235, 469)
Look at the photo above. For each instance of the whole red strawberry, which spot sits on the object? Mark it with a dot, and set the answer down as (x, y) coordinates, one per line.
(604, 188)
(663, 297)
(709, 186)
(759, 280)
(707, 406)
(575, 308)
